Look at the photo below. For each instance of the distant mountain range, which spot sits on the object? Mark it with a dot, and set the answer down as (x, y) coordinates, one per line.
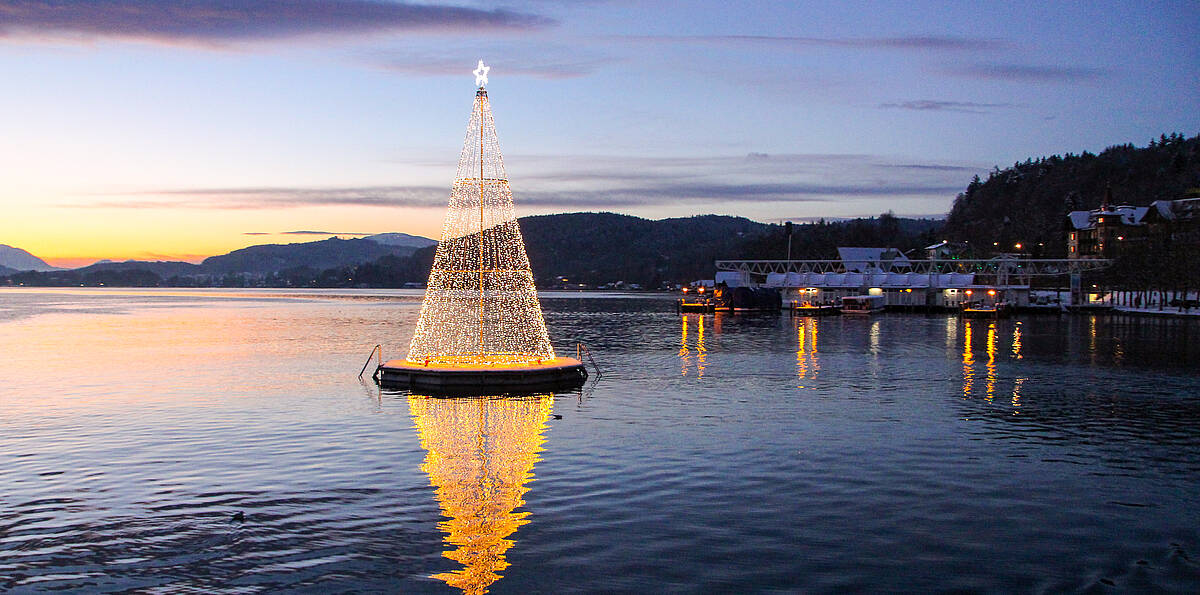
(569, 249)
(401, 239)
(16, 259)
(273, 258)
(258, 260)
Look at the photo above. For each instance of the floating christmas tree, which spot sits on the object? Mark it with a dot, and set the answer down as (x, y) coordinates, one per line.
(481, 308)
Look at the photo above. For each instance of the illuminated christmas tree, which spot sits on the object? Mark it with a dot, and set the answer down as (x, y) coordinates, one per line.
(480, 306)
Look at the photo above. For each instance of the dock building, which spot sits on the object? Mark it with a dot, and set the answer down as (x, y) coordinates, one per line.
(931, 284)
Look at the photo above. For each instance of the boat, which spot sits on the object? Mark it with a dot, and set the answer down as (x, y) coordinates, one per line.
(696, 301)
(695, 305)
(811, 309)
(982, 310)
(862, 304)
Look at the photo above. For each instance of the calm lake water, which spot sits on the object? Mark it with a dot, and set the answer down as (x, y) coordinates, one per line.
(899, 452)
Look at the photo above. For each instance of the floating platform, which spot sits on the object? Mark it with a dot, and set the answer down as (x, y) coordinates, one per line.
(996, 311)
(695, 306)
(557, 373)
(814, 310)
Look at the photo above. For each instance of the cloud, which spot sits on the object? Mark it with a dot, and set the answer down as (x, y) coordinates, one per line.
(279, 198)
(815, 219)
(675, 194)
(911, 42)
(549, 183)
(305, 232)
(161, 257)
(1028, 73)
(946, 106)
(931, 167)
(222, 21)
(547, 65)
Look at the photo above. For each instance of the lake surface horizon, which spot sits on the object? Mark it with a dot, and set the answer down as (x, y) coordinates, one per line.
(219, 440)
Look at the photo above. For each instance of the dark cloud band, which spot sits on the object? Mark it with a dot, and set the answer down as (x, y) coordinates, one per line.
(1028, 73)
(913, 42)
(243, 20)
(557, 182)
(929, 105)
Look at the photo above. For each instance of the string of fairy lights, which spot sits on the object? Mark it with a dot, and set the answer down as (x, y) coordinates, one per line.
(480, 305)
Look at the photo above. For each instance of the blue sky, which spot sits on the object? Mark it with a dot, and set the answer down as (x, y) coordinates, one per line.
(170, 130)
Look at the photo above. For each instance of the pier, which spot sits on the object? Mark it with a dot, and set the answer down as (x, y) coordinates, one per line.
(912, 284)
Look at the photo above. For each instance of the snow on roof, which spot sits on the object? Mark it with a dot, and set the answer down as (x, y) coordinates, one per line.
(858, 259)
(733, 278)
(867, 259)
(1080, 219)
(1130, 215)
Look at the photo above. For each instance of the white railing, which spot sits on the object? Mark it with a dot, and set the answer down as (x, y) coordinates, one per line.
(1003, 267)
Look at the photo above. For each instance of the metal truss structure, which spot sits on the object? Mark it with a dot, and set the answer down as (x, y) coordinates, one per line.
(1003, 270)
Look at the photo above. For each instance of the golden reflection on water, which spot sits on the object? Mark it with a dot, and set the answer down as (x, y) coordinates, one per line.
(991, 361)
(990, 365)
(808, 363)
(968, 359)
(1092, 338)
(480, 454)
(685, 351)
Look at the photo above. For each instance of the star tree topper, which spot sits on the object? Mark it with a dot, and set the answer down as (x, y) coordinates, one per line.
(480, 73)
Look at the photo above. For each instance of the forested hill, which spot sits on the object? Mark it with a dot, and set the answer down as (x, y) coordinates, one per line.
(820, 240)
(598, 248)
(602, 248)
(1027, 202)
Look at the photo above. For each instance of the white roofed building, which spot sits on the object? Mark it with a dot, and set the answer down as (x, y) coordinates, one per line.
(1103, 232)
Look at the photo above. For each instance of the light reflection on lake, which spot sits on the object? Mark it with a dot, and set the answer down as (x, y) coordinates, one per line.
(480, 456)
(716, 453)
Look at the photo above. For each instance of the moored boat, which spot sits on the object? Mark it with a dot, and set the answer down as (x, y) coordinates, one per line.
(862, 304)
(982, 310)
(811, 309)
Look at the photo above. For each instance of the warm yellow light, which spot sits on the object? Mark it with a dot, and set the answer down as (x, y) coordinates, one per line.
(1017, 246)
(969, 292)
(991, 292)
(480, 454)
(480, 306)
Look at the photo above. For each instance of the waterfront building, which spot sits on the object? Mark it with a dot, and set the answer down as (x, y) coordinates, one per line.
(1107, 231)
(914, 291)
